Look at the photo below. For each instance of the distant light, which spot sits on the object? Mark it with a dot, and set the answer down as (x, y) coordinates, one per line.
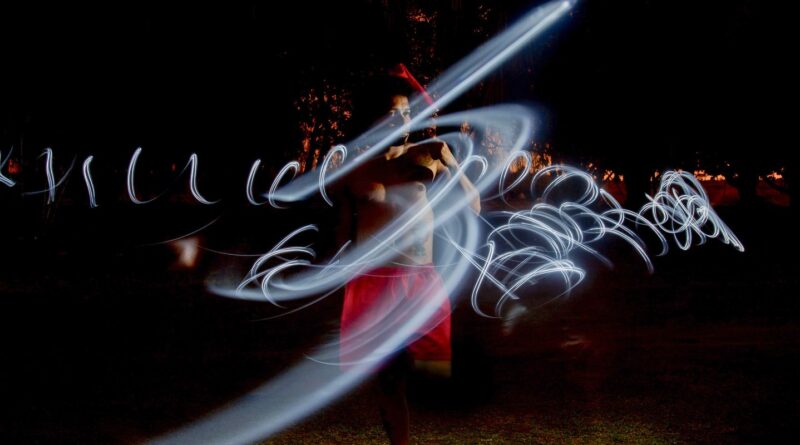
(775, 176)
(187, 251)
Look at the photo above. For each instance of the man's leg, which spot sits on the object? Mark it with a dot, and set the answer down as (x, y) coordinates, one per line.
(392, 398)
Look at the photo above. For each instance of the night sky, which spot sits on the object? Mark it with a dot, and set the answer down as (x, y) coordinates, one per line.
(644, 77)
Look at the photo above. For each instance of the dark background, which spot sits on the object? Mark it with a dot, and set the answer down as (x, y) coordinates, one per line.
(105, 340)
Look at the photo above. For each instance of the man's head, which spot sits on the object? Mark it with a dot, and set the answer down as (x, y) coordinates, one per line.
(382, 97)
(399, 114)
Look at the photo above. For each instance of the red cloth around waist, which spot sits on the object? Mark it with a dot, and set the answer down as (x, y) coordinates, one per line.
(370, 296)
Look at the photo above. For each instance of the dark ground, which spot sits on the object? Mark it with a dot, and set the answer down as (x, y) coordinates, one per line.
(104, 344)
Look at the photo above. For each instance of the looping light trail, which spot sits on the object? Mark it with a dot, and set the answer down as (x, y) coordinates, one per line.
(87, 178)
(191, 165)
(681, 208)
(51, 181)
(531, 244)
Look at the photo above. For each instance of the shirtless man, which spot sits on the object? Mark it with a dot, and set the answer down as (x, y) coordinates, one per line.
(376, 194)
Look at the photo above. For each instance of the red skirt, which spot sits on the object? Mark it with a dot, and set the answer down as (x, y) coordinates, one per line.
(371, 302)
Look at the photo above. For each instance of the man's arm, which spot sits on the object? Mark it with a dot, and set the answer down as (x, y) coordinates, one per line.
(446, 162)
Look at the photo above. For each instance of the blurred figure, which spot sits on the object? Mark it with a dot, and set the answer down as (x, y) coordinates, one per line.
(375, 194)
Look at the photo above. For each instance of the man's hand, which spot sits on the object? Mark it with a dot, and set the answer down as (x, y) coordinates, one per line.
(446, 155)
(396, 151)
(441, 152)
